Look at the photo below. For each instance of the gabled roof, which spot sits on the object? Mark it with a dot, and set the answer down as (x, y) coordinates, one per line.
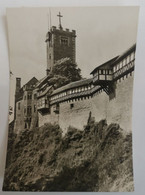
(73, 85)
(32, 81)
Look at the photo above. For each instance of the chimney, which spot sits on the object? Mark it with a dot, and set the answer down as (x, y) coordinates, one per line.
(18, 84)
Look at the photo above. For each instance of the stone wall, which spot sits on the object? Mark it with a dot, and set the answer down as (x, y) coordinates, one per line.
(74, 113)
(19, 122)
(48, 118)
(116, 110)
(34, 119)
(119, 109)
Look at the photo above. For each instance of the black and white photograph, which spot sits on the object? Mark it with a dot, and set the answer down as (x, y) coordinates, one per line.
(71, 93)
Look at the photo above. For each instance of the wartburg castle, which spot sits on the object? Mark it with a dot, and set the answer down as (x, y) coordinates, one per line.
(107, 94)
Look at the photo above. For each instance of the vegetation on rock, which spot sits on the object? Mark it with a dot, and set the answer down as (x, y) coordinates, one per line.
(96, 159)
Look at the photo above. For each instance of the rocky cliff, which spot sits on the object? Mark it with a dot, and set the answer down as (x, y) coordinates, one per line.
(96, 159)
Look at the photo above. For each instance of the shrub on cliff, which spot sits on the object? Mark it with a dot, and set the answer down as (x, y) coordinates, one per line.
(96, 159)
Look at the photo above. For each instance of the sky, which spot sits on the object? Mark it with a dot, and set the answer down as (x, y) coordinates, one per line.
(102, 33)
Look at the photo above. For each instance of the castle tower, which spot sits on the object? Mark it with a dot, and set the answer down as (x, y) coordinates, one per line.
(60, 44)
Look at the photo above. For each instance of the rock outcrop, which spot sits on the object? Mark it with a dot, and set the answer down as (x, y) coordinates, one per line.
(96, 159)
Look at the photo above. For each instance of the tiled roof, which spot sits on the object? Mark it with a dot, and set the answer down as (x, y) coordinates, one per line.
(73, 85)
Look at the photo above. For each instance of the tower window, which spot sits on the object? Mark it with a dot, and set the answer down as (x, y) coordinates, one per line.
(64, 41)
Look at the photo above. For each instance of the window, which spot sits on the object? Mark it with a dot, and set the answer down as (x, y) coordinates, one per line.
(35, 96)
(29, 96)
(34, 108)
(19, 105)
(64, 41)
(120, 64)
(71, 106)
(29, 110)
(132, 56)
(124, 60)
(86, 88)
(128, 59)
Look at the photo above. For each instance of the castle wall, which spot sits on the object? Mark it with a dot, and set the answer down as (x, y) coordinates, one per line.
(99, 105)
(76, 116)
(48, 118)
(75, 112)
(119, 109)
(34, 120)
(19, 121)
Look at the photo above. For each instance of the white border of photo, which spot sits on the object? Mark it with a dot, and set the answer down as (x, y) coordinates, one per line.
(139, 83)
